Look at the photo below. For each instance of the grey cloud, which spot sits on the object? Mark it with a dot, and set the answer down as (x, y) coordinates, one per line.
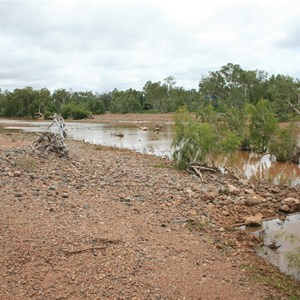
(102, 45)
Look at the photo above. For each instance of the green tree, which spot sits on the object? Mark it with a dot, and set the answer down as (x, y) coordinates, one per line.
(284, 93)
(125, 101)
(73, 110)
(232, 85)
(60, 97)
(284, 144)
(201, 142)
(263, 125)
(156, 94)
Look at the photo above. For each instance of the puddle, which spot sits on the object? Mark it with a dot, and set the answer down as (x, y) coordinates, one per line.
(282, 244)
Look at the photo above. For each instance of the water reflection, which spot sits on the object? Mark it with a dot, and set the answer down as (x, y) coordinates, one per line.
(282, 244)
(128, 135)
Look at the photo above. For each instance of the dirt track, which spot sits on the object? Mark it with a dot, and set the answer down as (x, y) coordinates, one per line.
(113, 224)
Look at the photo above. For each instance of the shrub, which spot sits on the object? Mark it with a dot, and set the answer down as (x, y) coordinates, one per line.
(284, 145)
(263, 125)
(71, 110)
(201, 142)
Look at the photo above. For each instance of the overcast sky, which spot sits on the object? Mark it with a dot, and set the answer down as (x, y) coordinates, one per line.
(102, 45)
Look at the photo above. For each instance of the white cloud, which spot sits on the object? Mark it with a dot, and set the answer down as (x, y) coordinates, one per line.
(101, 45)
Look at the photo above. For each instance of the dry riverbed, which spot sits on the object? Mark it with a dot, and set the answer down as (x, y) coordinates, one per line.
(106, 223)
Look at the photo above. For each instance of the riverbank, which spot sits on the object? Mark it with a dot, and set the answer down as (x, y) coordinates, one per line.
(107, 223)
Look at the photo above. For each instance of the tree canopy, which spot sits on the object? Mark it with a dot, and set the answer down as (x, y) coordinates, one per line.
(230, 87)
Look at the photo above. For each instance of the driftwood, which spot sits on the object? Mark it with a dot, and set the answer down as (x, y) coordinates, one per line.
(196, 169)
(72, 252)
(52, 142)
(59, 121)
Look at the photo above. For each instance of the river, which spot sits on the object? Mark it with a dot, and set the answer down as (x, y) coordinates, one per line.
(129, 135)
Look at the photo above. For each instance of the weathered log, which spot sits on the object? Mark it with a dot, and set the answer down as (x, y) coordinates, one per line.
(51, 142)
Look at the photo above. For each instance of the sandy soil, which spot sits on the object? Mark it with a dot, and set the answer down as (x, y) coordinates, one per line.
(129, 118)
(114, 224)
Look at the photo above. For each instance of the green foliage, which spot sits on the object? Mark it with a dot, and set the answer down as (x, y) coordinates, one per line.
(227, 89)
(207, 114)
(263, 125)
(125, 102)
(79, 113)
(237, 121)
(233, 86)
(200, 142)
(284, 94)
(284, 144)
(71, 110)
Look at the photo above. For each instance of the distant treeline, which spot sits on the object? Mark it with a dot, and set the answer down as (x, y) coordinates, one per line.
(230, 86)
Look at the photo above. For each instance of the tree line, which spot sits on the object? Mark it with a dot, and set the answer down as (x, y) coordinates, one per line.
(231, 86)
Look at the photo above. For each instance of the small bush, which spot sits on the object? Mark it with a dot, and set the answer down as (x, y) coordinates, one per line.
(28, 165)
(263, 125)
(201, 142)
(71, 110)
(284, 145)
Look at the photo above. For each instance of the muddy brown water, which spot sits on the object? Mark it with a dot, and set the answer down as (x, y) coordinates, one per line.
(129, 135)
(281, 244)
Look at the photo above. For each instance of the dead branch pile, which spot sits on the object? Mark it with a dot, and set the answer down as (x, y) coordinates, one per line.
(197, 169)
(51, 142)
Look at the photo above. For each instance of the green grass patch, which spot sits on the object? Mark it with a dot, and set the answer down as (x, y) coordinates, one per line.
(28, 165)
(273, 279)
(164, 166)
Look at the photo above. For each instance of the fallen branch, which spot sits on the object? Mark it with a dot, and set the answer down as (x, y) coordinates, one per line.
(204, 168)
(67, 252)
(239, 171)
(197, 169)
(198, 173)
(239, 224)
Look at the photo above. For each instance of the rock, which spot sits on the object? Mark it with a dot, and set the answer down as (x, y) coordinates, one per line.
(17, 173)
(210, 195)
(18, 194)
(249, 191)
(276, 190)
(267, 195)
(253, 199)
(284, 208)
(65, 195)
(212, 188)
(225, 213)
(290, 201)
(190, 193)
(292, 195)
(243, 181)
(233, 190)
(255, 220)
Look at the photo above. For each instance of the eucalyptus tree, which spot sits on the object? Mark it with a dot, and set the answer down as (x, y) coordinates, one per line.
(155, 95)
(128, 101)
(232, 85)
(284, 93)
(60, 97)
